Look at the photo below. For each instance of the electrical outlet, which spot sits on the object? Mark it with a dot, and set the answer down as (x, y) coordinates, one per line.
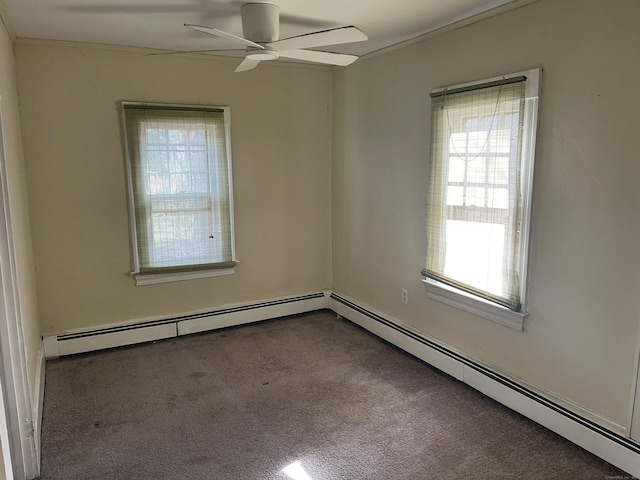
(404, 296)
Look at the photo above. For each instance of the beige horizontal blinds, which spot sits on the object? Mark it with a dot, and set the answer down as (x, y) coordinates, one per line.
(474, 199)
(180, 179)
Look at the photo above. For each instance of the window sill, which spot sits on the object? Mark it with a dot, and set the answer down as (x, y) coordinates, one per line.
(472, 304)
(152, 279)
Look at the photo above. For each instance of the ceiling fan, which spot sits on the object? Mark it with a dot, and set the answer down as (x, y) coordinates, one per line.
(261, 30)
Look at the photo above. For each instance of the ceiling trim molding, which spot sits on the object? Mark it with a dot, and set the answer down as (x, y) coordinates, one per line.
(492, 10)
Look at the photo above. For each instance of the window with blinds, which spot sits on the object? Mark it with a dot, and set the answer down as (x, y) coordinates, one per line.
(179, 167)
(479, 187)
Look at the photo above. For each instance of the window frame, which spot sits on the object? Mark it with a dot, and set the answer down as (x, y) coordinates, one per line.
(476, 304)
(186, 274)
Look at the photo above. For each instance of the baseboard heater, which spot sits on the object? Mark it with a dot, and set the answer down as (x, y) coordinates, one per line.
(603, 441)
(172, 326)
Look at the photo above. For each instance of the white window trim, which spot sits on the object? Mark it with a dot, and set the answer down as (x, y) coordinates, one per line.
(472, 303)
(156, 278)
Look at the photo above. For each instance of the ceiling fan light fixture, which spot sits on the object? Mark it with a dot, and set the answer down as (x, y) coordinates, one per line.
(262, 55)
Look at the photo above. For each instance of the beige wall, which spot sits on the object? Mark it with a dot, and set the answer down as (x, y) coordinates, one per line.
(280, 130)
(580, 340)
(18, 203)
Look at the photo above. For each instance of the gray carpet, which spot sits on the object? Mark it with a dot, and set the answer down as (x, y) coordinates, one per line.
(309, 397)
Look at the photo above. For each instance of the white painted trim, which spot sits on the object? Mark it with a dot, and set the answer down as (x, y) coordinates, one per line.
(577, 424)
(473, 304)
(17, 394)
(634, 400)
(529, 135)
(232, 220)
(115, 339)
(50, 346)
(5, 436)
(157, 328)
(155, 278)
(38, 408)
(13, 409)
(634, 430)
(250, 315)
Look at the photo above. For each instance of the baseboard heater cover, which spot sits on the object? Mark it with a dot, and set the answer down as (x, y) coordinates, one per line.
(172, 326)
(616, 449)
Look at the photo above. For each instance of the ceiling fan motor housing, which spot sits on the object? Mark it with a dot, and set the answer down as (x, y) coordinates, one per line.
(260, 22)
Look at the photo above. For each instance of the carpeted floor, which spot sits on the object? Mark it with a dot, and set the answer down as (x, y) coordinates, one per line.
(310, 397)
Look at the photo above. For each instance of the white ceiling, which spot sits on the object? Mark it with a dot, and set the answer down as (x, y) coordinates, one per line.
(158, 24)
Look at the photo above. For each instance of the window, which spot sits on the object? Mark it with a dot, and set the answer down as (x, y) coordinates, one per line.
(179, 167)
(479, 195)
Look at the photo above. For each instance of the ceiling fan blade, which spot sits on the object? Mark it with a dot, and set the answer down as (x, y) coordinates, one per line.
(148, 7)
(246, 65)
(328, 58)
(177, 52)
(225, 35)
(333, 36)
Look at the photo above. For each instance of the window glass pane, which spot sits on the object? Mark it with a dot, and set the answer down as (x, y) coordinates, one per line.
(159, 184)
(459, 145)
(500, 141)
(476, 142)
(178, 161)
(477, 170)
(498, 198)
(456, 169)
(180, 238)
(197, 137)
(199, 183)
(455, 195)
(475, 197)
(499, 170)
(198, 157)
(179, 183)
(176, 136)
(475, 253)
(156, 135)
(157, 161)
